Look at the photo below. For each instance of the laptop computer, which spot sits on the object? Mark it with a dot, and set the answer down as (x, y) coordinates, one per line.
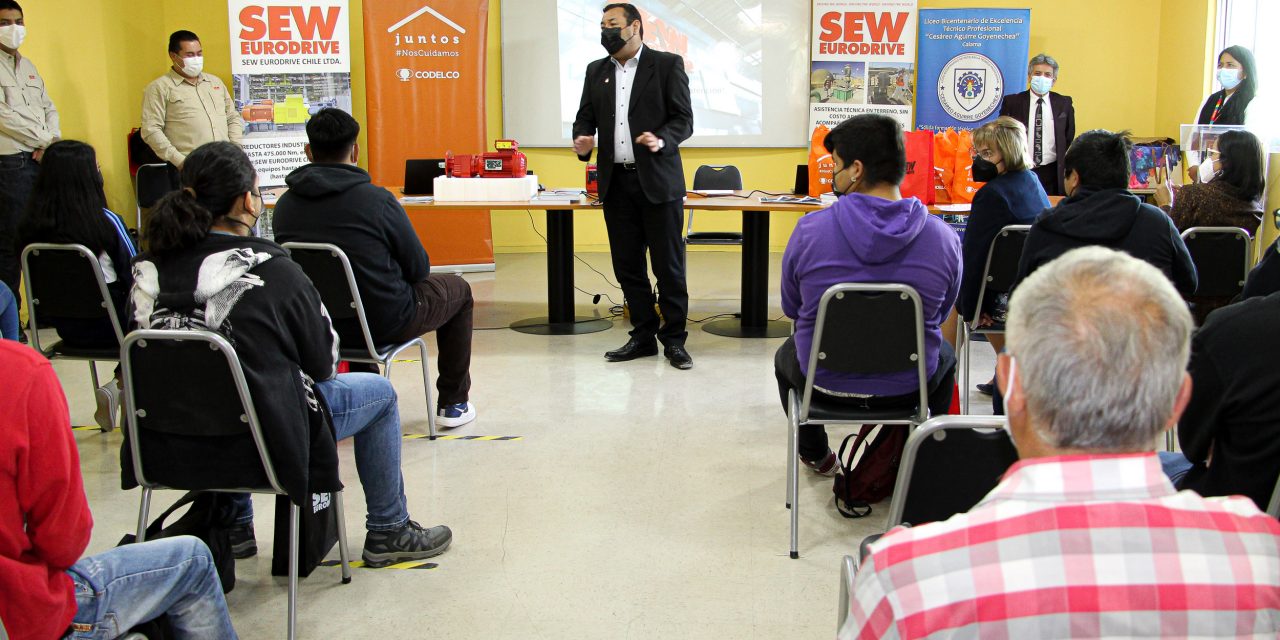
(420, 176)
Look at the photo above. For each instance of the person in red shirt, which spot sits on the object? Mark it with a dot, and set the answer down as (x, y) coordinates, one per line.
(46, 589)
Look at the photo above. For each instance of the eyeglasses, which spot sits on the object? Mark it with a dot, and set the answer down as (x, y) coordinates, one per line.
(985, 154)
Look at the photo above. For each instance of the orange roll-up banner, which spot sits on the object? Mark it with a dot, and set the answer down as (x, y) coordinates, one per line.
(424, 69)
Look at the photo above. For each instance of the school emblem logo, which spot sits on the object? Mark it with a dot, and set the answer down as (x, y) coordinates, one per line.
(970, 87)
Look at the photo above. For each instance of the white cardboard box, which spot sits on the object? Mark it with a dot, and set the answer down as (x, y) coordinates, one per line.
(485, 189)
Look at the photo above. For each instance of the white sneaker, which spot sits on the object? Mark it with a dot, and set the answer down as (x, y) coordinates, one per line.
(455, 415)
(108, 398)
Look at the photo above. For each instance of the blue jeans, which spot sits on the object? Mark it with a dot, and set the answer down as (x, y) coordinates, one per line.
(129, 585)
(8, 313)
(1175, 465)
(364, 405)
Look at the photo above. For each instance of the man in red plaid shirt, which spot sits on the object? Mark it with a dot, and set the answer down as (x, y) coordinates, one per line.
(1084, 537)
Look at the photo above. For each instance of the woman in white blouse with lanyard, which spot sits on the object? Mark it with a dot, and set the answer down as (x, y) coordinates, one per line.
(1235, 103)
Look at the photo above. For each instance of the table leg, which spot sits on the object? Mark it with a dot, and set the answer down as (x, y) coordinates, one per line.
(560, 319)
(754, 322)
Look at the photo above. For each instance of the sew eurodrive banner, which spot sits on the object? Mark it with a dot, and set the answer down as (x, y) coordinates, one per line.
(289, 59)
(863, 60)
(970, 59)
(425, 81)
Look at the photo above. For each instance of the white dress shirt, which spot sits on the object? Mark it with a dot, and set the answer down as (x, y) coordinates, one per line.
(624, 73)
(1049, 152)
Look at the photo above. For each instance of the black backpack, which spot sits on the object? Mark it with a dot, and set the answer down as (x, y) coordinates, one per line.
(872, 479)
(209, 519)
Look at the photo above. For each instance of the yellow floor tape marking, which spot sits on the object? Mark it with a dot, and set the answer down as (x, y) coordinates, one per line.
(409, 564)
(416, 436)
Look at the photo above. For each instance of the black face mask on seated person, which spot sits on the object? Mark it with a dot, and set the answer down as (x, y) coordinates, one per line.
(984, 170)
(611, 39)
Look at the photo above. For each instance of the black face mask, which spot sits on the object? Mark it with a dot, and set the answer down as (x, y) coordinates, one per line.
(984, 170)
(611, 39)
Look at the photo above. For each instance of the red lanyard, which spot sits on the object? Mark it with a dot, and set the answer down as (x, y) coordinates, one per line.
(1217, 108)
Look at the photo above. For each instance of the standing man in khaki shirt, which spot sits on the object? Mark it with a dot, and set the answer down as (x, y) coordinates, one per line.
(186, 108)
(28, 124)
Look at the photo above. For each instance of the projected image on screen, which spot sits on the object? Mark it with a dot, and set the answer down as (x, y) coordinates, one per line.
(721, 56)
(747, 62)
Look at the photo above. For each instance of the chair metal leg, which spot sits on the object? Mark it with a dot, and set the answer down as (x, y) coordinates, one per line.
(426, 387)
(295, 517)
(964, 388)
(93, 373)
(1168, 441)
(143, 512)
(794, 480)
(791, 461)
(342, 538)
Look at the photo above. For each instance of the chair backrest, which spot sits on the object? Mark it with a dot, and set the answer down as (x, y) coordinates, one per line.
(330, 271)
(949, 464)
(65, 281)
(154, 181)
(868, 329)
(1001, 270)
(717, 176)
(1222, 256)
(195, 412)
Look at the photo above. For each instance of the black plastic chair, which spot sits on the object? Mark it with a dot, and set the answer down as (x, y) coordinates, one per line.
(998, 276)
(1222, 256)
(65, 281)
(330, 271)
(950, 464)
(202, 408)
(867, 329)
(717, 177)
(151, 183)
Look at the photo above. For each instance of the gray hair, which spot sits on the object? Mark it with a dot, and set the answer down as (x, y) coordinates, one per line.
(1102, 341)
(1043, 58)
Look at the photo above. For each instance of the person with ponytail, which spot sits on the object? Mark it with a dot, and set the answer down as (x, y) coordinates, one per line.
(69, 206)
(205, 270)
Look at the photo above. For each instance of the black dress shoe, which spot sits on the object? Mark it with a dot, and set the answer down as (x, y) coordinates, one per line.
(632, 349)
(988, 388)
(679, 358)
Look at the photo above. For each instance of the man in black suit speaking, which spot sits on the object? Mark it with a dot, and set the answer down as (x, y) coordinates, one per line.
(1050, 119)
(637, 101)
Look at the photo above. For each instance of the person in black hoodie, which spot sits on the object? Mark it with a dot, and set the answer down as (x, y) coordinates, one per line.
(1099, 210)
(333, 201)
(204, 272)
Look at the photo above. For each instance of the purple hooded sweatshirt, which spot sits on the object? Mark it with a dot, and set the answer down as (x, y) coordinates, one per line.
(872, 240)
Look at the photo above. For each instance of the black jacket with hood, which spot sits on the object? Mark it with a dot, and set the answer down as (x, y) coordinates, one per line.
(338, 204)
(250, 292)
(1112, 218)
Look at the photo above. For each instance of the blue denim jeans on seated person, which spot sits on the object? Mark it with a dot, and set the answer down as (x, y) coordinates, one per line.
(364, 405)
(8, 313)
(126, 586)
(1175, 465)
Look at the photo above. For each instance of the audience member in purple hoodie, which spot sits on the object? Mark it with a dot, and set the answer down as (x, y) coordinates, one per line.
(870, 235)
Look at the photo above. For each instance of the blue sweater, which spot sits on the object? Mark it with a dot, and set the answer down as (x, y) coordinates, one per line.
(868, 239)
(1011, 198)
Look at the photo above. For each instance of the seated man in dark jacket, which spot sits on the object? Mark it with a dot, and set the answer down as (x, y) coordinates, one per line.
(333, 201)
(1099, 210)
(1229, 433)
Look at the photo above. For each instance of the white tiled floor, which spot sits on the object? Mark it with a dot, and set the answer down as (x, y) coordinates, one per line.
(641, 501)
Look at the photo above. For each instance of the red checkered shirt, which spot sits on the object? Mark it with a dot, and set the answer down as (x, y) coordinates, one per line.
(1077, 547)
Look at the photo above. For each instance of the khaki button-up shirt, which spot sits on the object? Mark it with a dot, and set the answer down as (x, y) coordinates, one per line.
(177, 116)
(28, 119)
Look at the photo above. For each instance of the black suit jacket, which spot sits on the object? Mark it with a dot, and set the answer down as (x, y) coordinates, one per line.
(659, 104)
(1018, 107)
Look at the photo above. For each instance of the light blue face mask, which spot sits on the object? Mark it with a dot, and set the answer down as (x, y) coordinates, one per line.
(1229, 78)
(1041, 85)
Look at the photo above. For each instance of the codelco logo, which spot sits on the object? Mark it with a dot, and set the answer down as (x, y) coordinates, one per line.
(406, 75)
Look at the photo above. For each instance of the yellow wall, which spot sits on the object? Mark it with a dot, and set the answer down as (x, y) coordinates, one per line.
(1131, 64)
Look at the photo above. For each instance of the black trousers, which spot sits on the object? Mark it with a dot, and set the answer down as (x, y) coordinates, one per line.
(634, 225)
(813, 443)
(1048, 174)
(17, 177)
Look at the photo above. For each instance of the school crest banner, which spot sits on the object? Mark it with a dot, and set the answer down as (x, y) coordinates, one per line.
(969, 60)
